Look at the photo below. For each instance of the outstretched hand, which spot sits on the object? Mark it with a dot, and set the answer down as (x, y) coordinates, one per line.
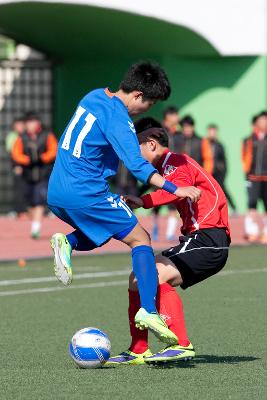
(191, 192)
(132, 201)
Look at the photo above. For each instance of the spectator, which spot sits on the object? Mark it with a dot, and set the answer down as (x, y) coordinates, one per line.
(195, 146)
(254, 160)
(219, 162)
(35, 151)
(124, 181)
(18, 128)
(170, 122)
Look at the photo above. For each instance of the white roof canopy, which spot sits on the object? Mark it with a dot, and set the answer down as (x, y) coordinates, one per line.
(233, 27)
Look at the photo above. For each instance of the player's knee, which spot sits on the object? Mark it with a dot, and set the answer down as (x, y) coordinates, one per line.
(138, 237)
(167, 272)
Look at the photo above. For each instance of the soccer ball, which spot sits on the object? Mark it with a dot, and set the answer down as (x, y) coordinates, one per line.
(90, 348)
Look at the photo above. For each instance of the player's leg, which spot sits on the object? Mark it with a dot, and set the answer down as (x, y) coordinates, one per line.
(139, 346)
(169, 306)
(63, 245)
(144, 268)
(200, 255)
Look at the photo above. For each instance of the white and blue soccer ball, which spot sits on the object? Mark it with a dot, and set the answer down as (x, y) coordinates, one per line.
(90, 348)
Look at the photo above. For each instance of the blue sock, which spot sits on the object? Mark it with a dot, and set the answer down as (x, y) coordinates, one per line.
(144, 268)
(79, 241)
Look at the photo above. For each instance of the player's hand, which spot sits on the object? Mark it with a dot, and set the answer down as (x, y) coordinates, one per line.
(191, 192)
(133, 201)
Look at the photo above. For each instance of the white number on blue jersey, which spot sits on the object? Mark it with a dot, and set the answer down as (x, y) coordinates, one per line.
(89, 119)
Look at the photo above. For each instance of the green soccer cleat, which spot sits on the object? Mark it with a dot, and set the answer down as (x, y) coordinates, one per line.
(153, 322)
(129, 358)
(171, 354)
(62, 258)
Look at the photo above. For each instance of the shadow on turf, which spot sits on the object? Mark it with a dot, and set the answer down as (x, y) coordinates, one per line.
(206, 359)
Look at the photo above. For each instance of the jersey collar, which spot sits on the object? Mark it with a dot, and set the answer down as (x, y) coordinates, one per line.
(163, 159)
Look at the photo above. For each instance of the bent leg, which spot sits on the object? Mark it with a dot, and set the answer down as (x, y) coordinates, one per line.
(169, 303)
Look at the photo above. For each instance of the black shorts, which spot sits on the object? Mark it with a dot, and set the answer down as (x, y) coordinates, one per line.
(199, 255)
(256, 191)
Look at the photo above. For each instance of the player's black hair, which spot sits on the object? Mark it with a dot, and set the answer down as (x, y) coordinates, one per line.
(145, 123)
(158, 134)
(187, 120)
(170, 110)
(148, 78)
(212, 126)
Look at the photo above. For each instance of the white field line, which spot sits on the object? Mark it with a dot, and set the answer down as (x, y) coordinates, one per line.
(103, 274)
(241, 271)
(60, 288)
(112, 283)
(100, 274)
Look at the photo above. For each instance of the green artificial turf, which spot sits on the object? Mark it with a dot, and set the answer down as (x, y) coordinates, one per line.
(226, 318)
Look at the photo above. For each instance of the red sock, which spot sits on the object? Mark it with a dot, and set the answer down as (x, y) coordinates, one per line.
(170, 306)
(139, 338)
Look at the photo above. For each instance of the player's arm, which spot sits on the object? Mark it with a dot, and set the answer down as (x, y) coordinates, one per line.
(181, 179)
(171, 190)
(123, 139)
(125, 144)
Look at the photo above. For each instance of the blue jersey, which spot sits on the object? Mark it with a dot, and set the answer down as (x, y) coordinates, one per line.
(99, 134)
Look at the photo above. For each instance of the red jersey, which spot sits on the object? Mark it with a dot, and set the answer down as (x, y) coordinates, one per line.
(210, 211)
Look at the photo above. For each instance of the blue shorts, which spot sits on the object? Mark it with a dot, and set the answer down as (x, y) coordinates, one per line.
(109, 218)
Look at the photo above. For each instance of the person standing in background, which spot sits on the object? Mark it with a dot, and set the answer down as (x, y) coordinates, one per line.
(35, 151)
(18, 127)
(254, 161)
(219, 162)
(171, 123)
(193, 145)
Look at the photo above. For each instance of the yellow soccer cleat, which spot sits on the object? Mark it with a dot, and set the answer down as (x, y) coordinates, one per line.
(171, 354)
(62, 258)
(153, 322)
(129, 358)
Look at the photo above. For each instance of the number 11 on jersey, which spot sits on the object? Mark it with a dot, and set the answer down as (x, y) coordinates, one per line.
(89, 119)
